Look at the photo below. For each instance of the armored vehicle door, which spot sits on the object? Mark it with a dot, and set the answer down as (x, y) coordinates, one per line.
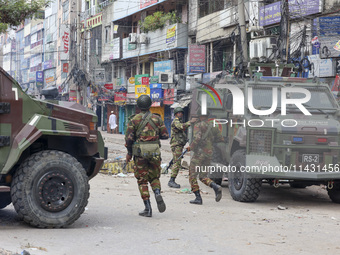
(11, 109)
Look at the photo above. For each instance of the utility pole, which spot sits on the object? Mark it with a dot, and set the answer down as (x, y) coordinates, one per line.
(243, 35)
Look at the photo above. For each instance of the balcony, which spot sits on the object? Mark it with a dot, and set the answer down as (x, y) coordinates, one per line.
(159, 40)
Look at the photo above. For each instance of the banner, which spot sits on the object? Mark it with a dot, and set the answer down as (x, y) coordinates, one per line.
(171, 34)
(65, 42)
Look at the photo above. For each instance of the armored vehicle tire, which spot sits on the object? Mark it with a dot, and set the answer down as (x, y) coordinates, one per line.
(334, 194)
(241, 187)
(5, 199)
(50, 189)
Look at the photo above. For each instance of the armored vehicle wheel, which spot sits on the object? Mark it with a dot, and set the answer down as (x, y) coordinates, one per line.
(5, 199)
(50, 189)
(241, 187)
(334, 194)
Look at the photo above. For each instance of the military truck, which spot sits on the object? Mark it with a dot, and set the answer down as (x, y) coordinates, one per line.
(277, 130)
(48, 152)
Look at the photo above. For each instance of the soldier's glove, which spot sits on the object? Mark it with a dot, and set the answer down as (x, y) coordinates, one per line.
(188, 148)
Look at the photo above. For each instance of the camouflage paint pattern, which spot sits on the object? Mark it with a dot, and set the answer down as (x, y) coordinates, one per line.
(202, 146)
(30, 119)
(146, 171)
(202, 162)
(177, 127)
(177, 165)
(148, 134)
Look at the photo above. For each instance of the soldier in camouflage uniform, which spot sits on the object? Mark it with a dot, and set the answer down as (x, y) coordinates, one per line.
(142, 141)
(202, 145)
(177, 142)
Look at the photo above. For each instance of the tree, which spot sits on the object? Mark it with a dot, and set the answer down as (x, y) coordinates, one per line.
(13, 12)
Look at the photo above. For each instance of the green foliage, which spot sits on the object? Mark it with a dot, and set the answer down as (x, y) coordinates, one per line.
(158, 20)
(14, 12)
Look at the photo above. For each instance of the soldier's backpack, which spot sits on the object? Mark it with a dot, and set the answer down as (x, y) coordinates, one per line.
(149, 149)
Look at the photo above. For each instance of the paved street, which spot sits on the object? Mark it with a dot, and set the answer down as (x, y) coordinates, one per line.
(111, 225)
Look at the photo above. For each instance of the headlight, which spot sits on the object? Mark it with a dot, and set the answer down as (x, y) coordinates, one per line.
(260, 141)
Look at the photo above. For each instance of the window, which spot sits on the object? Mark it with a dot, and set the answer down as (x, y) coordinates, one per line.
(28, 40)
(207, 7)
(107, 34)
(65, 10)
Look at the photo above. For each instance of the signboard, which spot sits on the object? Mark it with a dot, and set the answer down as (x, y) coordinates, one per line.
(99, 75)
(169, 96)
(196, 59)
(271, 13)
(139, 81)
(171, 35)
(32, 76)
(328, 35)
(120, 97)
(163, 66)
(321, 67)
(39, 78)
(156, 86)
(109, 86)
(145, 3)
(145, 80)
(48, 64)
(65, 68)
(65, 42)
(156, 96)
(154, 79)
(142, 90)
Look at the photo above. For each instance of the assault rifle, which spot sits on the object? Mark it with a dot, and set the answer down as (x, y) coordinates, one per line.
(172, 160)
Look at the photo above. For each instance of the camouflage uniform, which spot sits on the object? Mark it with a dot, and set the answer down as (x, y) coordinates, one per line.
(203, 150)
(177, 144)
(146, 170)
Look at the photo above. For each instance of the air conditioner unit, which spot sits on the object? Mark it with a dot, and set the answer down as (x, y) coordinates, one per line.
(132, 38)
(143, 39)
(262, 47)
(166, 77)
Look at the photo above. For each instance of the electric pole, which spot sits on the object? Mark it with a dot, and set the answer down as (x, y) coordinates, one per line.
(243, 35)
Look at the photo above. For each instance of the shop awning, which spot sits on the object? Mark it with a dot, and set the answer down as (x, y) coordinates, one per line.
(183, 103)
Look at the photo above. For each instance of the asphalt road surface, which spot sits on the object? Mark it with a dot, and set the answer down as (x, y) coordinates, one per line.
(306, 221)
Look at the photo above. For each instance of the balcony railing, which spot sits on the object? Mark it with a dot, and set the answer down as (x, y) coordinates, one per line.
(158, 41)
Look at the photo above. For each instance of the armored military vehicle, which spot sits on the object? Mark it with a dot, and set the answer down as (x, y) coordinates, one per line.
(277, 129)
(48, 152)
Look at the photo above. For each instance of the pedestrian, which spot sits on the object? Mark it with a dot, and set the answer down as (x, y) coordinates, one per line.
(112, 122)
(178, 140)
(204, 135)
(142, 142)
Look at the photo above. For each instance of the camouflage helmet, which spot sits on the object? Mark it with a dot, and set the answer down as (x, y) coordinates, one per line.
(178, 109)
(144, 102)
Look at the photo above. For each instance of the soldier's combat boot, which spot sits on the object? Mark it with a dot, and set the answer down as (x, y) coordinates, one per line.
(147, 211)
(173, 184)
(198, 199)
(160, 203)
(218, 191)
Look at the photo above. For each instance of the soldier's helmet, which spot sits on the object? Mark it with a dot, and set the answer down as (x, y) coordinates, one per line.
(178, 109)
(144, 102)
